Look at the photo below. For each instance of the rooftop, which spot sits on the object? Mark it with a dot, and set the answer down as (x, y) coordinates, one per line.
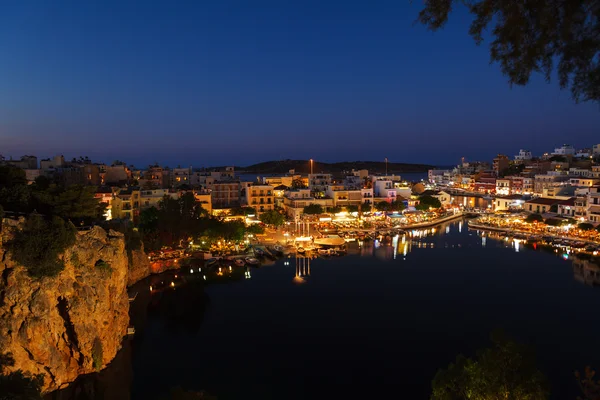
(543, 201)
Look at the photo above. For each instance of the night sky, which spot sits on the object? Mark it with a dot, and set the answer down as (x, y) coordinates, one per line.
(236, 82)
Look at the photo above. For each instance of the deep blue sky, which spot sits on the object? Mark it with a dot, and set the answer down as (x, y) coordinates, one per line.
(235, 82)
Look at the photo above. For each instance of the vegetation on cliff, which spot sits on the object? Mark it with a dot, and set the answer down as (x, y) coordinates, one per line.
(75, 203)
(40, 243)
(18, 385)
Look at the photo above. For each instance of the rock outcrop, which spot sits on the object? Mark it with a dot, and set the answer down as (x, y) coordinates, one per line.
(140, 266)
(71, 324)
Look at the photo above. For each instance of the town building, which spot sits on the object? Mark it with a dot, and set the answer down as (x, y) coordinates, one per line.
(126, 205)
(317, 183)
(225, 194)
(384, 190)
(155, 177)
(549, 180)
(296, 199)
(223, 174)
(523, 156)
(510, 202)
(25, 162)
(260, 197)
(117, 174)
(180, 176)
(593, 205)
(564, 150)
(566, 208)
(540, 205)
(501, 163)
(204, 198)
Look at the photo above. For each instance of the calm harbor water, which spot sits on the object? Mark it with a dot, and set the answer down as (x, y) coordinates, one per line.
(377, 323)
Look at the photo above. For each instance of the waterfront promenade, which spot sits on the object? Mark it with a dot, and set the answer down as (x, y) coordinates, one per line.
(514, 230)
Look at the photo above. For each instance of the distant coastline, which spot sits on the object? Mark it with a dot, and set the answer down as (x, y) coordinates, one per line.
(303, 167)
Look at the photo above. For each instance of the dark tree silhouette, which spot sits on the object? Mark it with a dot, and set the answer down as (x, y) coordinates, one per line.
(532, 36)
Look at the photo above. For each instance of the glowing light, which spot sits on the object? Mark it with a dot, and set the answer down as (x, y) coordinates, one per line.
(204, 276)
(191, 271)
(150, 288)
(172, 284)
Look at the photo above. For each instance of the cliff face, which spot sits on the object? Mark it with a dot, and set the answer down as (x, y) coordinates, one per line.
(70, 324)
(140, 266)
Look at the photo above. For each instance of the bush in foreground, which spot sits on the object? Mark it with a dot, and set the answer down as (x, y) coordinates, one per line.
(40, 243)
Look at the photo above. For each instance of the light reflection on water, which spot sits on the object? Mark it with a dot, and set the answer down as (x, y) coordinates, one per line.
(387, 315)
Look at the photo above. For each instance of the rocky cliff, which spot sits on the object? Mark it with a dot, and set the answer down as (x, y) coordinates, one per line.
(140, 266)
(73, 323)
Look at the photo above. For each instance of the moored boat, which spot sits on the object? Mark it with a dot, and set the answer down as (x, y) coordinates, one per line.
(239, 262)
(252, 261)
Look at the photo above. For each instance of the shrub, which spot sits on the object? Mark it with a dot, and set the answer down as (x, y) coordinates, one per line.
(584, 226)
(38, 245)
(75, 260)
(97, 354)
(534, 218)
(18, 384)
(103, 265)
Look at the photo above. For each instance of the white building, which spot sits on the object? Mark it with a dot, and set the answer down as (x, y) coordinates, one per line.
(524, 155)
(317, 183)
(384, 190)
(512, 202)
(564, 150)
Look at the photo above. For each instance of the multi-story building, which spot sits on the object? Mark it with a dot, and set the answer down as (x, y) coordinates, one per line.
(501, 162)
(201, 179)
(317, 183)
(154, 177)
(384, 190)
(260, 197)
(296, 199)
(152, 197)
(584, 172)
(540, 205)
(548, 180)
(279, 192)
(510, 202)
(596, 150)
(504, 186)
(225, 194)
(584, 182)
(439, 176)
(564, 150)
(52, 163)
(126, 205)
(225, 174)
(523, 156)
(204, 198)
(180, 176)
(104, 194)
(593, 205)
(116, 174)
(344, 197)
(25, 162)
(485, 181)
(566, 208)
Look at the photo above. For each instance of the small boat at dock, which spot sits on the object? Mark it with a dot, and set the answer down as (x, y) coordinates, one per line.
(252, 261)
(239, 262)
